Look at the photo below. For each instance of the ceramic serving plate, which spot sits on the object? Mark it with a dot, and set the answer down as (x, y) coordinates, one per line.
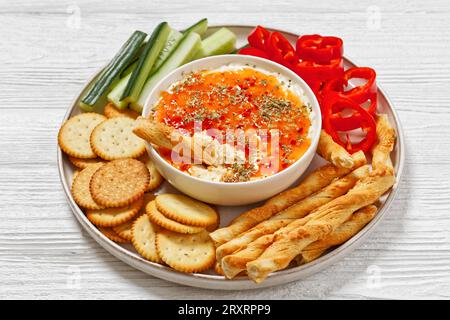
(212, 281)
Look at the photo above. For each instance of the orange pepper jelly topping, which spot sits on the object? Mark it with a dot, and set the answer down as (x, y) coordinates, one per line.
(244, 99)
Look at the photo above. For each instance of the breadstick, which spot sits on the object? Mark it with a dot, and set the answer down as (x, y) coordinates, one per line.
(168, 137)
(381, 152)
(333, 152)
(234, 263)
(315, 181)
(289, 244)
(342, 233)
(296, 211)
(154, 132)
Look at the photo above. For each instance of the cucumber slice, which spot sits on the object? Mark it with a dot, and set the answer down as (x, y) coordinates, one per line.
(129, 69)
(200, 27)
(183, 53)
(102, 100)
(220, 42)
(112, 71)
(171, 43)
(145, 63)
(116, 93)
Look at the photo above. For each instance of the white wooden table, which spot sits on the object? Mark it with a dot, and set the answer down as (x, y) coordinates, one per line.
(49, 48)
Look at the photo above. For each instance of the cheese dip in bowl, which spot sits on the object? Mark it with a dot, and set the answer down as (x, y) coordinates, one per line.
(253, 125)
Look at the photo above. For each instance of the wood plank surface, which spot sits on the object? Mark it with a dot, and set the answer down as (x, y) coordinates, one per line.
(48, 50)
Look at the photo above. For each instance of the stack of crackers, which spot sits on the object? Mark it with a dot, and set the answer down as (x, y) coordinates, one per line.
(113, 185)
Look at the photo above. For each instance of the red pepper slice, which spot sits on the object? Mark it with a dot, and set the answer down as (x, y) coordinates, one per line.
(359, 94)
(318, 48)
(316, 74)
(259, 37)
(365, 92)
(250, 51)
(333, 105)
(280, 50)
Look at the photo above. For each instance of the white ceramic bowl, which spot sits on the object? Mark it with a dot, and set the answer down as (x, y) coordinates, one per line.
(238, 193)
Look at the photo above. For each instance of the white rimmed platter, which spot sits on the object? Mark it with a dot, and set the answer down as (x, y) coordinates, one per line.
(210, 280)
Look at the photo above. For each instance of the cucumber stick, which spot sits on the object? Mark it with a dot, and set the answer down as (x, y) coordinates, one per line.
(128, 69)
(145, 63)
(172, 41)
(220, 42)
(112, 71)
(183, 53)
(199, 27)
(116, 93)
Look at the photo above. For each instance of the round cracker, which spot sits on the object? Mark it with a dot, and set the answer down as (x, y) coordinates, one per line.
(112, 235)
(124, 230)
(81, 188)
(111, 111)
(114, 139)
(155, 177)
(186, 252)
(74, 135)
(74, 175)
(83, 163)
(158, 218)
(144, 238)
(186, 210)
(111, 217)
(119, 183)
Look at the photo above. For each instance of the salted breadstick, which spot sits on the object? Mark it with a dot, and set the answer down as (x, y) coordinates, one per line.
(233, 264)
(154, 132)
(333, 152)
(315, 181)
(342, 233)
(296, 211)
(165, 136)
(288, 245)
(381, 152)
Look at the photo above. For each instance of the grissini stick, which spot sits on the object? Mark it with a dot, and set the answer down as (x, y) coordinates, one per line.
(312, 183)
(156, 133)
(248, 246)
(236, 262)
(342, 233)
(289, 244)
(381, 152)
(299, 210)
(170, 138)
(333, 152)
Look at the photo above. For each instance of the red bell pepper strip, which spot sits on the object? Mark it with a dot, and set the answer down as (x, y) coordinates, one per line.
(318, 48)
(280, 50)
(258, 38)
(365, 92)
(334, 123)
(250, 51)
(316, 74)
(358, 94)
